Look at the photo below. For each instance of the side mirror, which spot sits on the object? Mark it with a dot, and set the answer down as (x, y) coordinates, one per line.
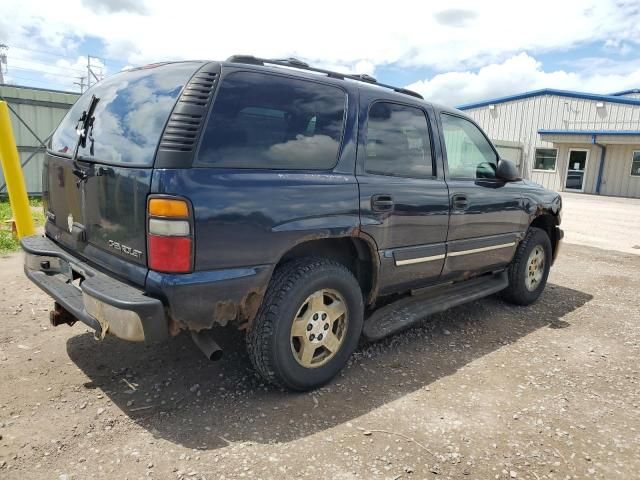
(507, 171)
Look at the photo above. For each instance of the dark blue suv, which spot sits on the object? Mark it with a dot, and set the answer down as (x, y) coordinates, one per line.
(303, 206)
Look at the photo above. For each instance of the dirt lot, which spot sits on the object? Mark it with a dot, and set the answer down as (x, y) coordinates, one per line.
(612, 223)
(484, 391)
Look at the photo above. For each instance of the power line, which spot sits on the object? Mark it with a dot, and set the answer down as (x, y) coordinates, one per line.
(58, 73)
(49, 76)
(30, 79)
(94, 72)
(29, 82)
(104, 60)
(39, 65)
(44, 52)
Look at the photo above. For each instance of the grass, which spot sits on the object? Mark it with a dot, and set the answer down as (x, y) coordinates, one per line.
(8, 242)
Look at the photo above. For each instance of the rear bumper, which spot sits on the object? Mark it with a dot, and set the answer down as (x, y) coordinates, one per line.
(103, 303)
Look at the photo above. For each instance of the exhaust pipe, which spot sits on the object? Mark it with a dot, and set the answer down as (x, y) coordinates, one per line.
(207, 344)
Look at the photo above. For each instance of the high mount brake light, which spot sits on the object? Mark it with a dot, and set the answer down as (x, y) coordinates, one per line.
(169, 238)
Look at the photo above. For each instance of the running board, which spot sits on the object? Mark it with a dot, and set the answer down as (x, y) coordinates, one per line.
(408, 311)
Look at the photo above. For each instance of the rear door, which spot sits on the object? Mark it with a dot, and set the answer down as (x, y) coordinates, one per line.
(404, 201)
(97, 205)
(487, 214)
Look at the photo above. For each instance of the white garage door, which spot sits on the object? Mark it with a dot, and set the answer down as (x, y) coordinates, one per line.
(511, 153)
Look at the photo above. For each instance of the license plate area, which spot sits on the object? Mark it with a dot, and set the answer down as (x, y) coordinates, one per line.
(76, 276)
(65, 269)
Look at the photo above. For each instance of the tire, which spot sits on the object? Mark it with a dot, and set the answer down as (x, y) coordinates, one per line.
(522, 289)
(278, 355)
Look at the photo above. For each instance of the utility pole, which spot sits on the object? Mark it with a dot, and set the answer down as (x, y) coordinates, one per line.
(3, 60)
(80, 83)
(91, 73)
(88, 71)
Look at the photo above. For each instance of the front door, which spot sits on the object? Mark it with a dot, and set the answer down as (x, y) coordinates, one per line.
(404, 201)
(576, 169)
(487, 214)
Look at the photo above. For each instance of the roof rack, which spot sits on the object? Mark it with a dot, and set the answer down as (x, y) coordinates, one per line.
(295, 63)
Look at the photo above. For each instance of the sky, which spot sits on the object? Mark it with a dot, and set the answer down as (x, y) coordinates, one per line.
(451, 52)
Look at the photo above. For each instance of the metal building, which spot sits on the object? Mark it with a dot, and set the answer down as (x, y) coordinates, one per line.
(568, 141)
(35, 113)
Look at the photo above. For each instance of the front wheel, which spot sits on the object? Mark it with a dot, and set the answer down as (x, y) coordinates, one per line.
(308, 325)
(529, 269)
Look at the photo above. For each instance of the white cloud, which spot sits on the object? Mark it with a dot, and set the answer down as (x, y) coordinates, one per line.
(521, 73)
(466, 33)
(619, 46)
(115, 6)
(456, 39)
(362, 66)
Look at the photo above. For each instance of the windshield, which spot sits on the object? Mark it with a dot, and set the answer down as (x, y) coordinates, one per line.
(133, 109)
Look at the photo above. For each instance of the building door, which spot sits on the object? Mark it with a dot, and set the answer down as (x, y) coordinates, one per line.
(513, 154)
(576, 169)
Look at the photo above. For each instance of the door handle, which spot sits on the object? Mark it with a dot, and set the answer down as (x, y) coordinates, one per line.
(460, 201)
(382, 203)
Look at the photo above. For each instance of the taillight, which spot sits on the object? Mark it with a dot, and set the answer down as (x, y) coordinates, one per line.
(169, 238)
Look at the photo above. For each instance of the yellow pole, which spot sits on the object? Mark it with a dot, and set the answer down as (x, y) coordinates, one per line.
(13, 176)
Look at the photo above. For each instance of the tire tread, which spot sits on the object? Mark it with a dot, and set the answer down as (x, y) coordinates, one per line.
(258, 338)
(516, 292)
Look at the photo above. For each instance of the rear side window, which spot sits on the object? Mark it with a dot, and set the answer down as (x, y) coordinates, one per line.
(398, 141)
(268, 121)
(133, 109)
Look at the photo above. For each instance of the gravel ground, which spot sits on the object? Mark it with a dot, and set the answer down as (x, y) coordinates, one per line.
(612, 223)
(483, 391)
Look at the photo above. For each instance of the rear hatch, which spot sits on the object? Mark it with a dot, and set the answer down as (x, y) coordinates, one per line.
(96, 205)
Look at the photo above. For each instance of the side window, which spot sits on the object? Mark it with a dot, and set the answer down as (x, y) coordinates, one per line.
(546, 159)
(268, 121)
(398, 141)
(469, 154)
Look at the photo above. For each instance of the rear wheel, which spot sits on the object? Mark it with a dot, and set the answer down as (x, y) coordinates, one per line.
(308, 325)
(529, 269)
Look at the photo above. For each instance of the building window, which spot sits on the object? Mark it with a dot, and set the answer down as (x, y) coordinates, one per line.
(546, 159)
(635, 164)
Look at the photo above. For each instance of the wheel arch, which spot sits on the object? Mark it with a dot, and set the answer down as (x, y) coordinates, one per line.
(548, 221)
(356, 252)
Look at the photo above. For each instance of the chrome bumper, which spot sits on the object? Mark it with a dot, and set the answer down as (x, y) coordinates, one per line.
(100, 301)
